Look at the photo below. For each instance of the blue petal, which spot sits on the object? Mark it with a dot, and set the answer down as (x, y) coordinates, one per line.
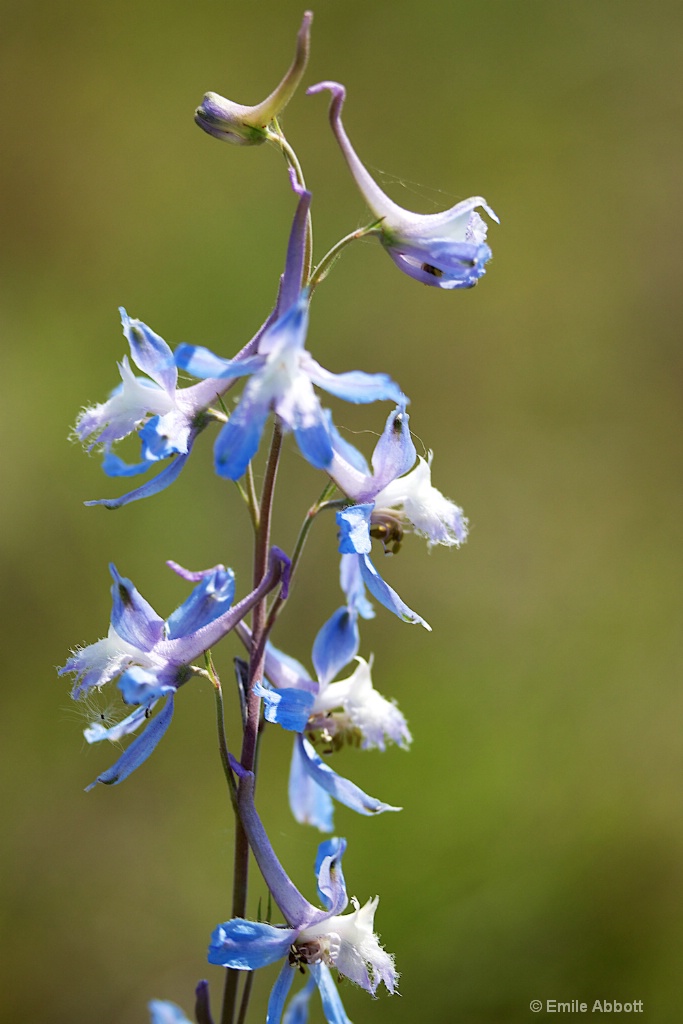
(158, 483)
(248, 945)
(157, 445)
(354, 529)
(202, 363)
(356, 386)
(209, 599)
(386, 595)
(279, 993)
(150, 352)
(394, 453)
(331, 884)
(288, 331)
(164, 1012)
(309, 804)
(314, 442)
(96, 732)
(347, 451)
(289, 708)
(351, 582)
(297, 1011)
(341, 789)
(238, 441)
(329, 994)
(140, 686)
(114, 466)
(284, 672)
(457, 264)
(139, 750)
(132, 617)
(335, 645)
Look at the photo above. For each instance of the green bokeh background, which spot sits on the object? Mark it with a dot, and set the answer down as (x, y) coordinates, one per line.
(539, 851)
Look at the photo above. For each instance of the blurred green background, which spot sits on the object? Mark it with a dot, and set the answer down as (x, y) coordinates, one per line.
(539, 851)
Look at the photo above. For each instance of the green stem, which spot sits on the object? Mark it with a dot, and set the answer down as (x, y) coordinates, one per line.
(326, 263)
(220, 723)
(313, 511)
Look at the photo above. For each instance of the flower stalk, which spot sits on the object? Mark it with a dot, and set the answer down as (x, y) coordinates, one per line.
(148, 660)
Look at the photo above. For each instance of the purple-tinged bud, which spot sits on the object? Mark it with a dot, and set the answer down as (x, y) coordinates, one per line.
(248, 126)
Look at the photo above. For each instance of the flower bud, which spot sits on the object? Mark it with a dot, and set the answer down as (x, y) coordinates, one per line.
(248, 126)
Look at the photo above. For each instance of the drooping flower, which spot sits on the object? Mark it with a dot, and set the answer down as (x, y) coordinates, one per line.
(445, 250)
(247, 126)
(152, 657)
(315, 940)
(282, 377)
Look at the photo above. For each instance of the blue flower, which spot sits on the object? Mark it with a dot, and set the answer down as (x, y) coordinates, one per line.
(283, 374)
(445, 250)
(401, 491)
(333, 713)
(152, 657)
(168, 418)
(317, 940)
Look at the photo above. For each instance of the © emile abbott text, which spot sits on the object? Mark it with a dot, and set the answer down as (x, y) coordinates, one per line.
(598, 1006)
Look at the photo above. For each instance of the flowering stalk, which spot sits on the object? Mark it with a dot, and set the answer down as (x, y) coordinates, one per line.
(150, 659)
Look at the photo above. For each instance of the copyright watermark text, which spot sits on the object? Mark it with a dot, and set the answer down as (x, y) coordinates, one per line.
(577, 1006)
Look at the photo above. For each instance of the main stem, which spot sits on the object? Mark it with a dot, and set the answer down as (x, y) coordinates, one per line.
(251, 729)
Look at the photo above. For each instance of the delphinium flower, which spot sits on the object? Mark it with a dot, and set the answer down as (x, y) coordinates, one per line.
(168, 418)
(328, 714)
(312, 940)
(282, 375)
(152, 658)
(446, 250)
(400, 488)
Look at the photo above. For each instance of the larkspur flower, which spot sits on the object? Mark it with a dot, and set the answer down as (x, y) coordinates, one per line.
(248, 126)
(168, 418)
(348, 711)
(152, 657)
(314, 939)
(401, 491)
(445, 250)
(282, 377)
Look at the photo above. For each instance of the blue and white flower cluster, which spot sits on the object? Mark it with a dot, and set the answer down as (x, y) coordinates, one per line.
(150, 658)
